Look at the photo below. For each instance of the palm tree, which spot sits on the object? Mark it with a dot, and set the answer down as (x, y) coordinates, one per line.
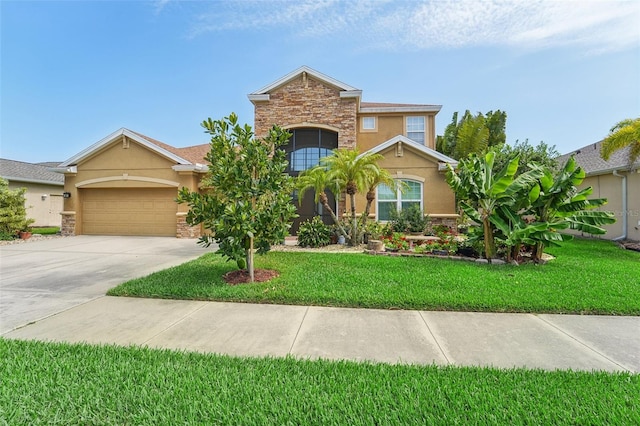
(623, 134)
(381, 176)
(317, 179)
(352, 172)
(473, 136)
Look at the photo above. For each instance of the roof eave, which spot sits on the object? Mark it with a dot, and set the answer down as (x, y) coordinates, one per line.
(27, 180)
(67, 169)
(351, 93)
(196, 168)
(258, 97)
(440, 157)
(635, 168)
(110, 138)
(430, 108)
(295, 73)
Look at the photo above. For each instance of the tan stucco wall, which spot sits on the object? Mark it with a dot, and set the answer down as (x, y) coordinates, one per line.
(117, 167)
(44, 210)
(306, 102)
(610, 187)
(390, 125)
(438, 198)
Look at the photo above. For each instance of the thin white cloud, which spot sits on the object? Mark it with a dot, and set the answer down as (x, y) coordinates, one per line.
(594, 25)
(159, 5)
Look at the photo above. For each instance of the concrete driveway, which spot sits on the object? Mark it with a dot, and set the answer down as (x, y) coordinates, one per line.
(41, 278)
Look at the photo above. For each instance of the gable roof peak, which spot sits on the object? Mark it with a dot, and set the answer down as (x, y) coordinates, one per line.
(161, 148)
(263, 93)
(438, 156)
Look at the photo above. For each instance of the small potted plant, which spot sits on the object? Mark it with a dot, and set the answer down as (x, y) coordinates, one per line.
(25, 231)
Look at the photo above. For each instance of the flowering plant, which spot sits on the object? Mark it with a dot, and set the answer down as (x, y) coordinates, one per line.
(395, 241)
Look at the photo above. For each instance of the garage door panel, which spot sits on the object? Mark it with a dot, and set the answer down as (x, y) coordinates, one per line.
(129, 211)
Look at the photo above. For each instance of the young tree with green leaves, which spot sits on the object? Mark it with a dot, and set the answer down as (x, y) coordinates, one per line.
(13, 214)
(246, 197)
(473, 134)
(542, 155)
(623, 134)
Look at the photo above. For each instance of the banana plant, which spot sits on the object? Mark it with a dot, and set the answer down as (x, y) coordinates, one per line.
(481, 191)
(561, 205)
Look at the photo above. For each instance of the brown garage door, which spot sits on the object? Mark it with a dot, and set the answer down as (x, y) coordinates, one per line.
(129, 212)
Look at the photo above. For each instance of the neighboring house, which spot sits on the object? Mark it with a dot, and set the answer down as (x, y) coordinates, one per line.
(323, 114)
(43, 198)
(126, 183)
(618, 182)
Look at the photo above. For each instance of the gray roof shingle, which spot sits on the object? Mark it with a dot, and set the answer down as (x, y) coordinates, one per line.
(588, 157)
(27, 172)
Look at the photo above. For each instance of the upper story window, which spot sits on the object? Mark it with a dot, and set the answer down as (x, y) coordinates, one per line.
(416, 129)
(306, 158)
(307, 146)
(368, 123)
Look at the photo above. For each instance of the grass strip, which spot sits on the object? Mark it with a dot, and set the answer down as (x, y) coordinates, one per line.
(46, 230)
(587, 277)
(55, 383)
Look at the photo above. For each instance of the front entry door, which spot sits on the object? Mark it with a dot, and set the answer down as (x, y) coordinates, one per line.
(308, 208)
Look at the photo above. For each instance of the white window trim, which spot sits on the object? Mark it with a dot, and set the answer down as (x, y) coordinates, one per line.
(375, 124)
(399, 200)
(424, 127)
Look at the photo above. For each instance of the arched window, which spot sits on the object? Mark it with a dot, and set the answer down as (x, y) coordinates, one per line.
(388, 200)
(307, 146)
(306, 158)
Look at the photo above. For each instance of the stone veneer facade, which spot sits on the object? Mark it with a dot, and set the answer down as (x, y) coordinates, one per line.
(68, 226)
(183, 230)
(306, 102)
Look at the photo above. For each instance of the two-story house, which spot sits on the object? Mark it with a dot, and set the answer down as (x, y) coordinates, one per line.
(126, 183)
(324, 114)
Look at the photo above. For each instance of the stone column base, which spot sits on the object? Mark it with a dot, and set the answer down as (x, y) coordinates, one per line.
(68, 226)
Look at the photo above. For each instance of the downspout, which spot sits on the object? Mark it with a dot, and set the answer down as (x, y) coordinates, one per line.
(624, 206)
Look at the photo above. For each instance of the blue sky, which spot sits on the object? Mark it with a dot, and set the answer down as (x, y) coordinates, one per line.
(72, 72)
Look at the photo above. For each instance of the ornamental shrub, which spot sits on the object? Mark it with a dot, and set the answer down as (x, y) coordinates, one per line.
(13, 214)
(314, 233)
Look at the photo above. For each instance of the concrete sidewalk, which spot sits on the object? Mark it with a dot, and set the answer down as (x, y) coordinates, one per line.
(444, 338)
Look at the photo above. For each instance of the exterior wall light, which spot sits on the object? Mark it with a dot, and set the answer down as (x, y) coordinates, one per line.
(66, 195)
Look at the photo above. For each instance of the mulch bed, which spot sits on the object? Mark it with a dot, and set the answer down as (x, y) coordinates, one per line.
(631, 246)
(241, 276)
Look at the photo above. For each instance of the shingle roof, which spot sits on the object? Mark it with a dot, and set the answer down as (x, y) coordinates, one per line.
(388, 104)
(194, 154)
(27, 172)
(383, 107)
(588, 157)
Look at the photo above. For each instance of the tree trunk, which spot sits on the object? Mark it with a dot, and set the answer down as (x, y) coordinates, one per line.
(371, 196)
(250, 259)
(354, 221)
(538, 252)
(489, 242)
(325, 203)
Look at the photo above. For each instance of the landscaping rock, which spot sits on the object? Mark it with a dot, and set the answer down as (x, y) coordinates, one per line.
(375, 245)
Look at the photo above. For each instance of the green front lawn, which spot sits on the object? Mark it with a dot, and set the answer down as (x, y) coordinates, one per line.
(588, 277)
(46, 230)
(46, 383)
